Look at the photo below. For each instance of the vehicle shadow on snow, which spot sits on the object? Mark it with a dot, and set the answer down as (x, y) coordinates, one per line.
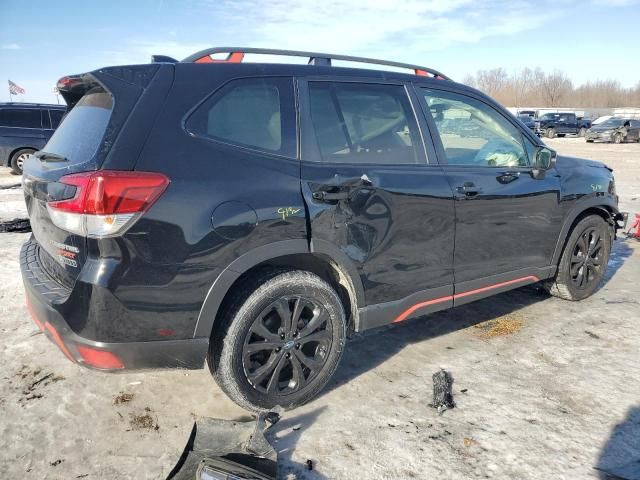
(370, 349)
(287, 432)
(620, 456)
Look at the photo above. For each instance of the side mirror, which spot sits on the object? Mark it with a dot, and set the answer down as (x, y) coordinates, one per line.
(544, 160)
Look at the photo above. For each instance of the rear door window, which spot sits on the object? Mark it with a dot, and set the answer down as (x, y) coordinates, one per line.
(81, 133)
(256, 113)
(20, 118)
(363, 123)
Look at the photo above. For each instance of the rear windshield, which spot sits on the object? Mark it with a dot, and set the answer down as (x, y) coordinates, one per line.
(80, 133)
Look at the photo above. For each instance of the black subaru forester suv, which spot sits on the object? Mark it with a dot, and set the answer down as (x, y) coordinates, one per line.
(251, 215)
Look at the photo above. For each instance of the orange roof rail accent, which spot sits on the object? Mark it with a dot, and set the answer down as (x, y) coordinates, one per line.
(233, 57)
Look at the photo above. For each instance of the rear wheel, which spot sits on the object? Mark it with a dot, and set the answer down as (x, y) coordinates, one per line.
(18, 159)
(584, 260)
(582, 132)
(617, 138)
(284, 338)
(551, 132)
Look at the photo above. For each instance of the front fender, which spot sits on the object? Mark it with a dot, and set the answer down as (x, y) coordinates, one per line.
(600, 201)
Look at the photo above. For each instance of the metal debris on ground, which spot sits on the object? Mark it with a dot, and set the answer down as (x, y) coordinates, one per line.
(442, 394)
(17, 225)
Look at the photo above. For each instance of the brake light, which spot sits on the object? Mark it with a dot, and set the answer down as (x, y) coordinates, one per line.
(106, 203)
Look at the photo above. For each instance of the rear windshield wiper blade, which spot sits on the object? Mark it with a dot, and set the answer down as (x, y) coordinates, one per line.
(49, 157)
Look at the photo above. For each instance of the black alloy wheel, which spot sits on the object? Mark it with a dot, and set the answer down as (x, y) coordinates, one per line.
(282, 337)
(586, 260)
(287, 345)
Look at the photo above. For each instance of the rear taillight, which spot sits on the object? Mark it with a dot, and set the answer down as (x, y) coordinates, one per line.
(106, 203)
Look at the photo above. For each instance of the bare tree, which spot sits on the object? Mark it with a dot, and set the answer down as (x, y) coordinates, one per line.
(523, 82)
(533, 87)
(555, 86)
(491, 81)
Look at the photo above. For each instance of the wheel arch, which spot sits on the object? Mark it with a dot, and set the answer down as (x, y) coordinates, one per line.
(293, 254)
(7, 161)
(606, 208)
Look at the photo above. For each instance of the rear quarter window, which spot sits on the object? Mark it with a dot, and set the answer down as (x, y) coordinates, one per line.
(255, 113)
(81, 133)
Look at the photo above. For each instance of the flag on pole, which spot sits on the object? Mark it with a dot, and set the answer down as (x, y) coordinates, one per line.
(15, 89)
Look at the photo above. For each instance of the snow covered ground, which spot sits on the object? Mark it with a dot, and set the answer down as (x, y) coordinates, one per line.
(553, 398)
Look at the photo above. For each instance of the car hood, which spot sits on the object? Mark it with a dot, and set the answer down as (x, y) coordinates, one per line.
(563, 162)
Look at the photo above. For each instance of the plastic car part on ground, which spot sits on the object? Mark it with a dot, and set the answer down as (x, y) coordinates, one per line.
(636, 225)
(227, 449)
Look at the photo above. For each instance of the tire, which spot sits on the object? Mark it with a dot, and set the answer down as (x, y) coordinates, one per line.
(587, 251)
(18, 158)
(617, 138)
(589, 141)
(282, 372)
(550, 133)
(582, 132)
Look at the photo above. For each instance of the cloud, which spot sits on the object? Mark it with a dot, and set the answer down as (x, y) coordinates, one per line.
(140, 50)
(11, 46)
(613, 3)
(363, 26)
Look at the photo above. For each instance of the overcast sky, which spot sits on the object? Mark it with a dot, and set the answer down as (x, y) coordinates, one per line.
(41, 41)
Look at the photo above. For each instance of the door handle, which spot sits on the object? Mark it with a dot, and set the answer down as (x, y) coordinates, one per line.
(323, 196)
(508, 177)
(343, 191)
(468, 190)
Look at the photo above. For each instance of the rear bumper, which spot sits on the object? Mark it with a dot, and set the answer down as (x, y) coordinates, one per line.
(44, 302)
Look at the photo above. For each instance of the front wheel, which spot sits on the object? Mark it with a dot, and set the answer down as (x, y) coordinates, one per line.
(584, 260)
(284, 338)
(617, 138)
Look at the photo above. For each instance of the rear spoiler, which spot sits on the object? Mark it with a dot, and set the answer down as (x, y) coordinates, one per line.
(114, 79)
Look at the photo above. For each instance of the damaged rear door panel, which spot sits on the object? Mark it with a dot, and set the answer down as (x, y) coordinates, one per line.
(372, 189)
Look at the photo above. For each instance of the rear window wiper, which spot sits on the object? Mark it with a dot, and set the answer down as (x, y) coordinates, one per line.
(49, 157)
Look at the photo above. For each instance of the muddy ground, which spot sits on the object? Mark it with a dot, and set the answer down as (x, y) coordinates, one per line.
(545, 389)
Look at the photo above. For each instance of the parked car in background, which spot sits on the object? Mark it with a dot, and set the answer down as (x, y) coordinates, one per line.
(615, 130)
(527, 113)
(561, 124)
(24, 129)
(528, 121)
(601, 119)
(317, 201)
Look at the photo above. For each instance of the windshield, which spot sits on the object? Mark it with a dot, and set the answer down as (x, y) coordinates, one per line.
(80, 133)
(613, 122)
